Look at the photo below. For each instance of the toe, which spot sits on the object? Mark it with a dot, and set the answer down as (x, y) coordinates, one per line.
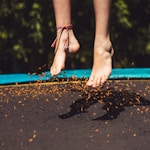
(90, 81)
(54, 71)
(98, 81)
(95, 82)
(103, 80)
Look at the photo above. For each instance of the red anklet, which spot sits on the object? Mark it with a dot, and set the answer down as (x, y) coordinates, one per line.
(56, 41)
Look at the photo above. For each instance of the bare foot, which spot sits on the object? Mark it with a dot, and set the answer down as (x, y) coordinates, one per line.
(102, 66)
(60, 52)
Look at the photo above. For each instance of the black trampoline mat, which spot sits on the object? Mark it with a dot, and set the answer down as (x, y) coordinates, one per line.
(70, 116)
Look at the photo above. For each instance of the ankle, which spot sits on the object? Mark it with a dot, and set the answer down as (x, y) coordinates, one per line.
(103, 44)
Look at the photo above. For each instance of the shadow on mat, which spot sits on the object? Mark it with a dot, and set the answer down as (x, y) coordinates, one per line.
(114, 103)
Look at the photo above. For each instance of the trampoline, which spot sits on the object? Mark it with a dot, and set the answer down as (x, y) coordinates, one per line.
(38, 112)
(133, 73)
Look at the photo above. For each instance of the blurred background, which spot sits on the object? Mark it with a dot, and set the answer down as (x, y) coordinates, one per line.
(27, 29)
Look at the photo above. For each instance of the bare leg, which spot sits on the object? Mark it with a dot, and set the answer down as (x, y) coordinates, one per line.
(62, 10)
(103, 51)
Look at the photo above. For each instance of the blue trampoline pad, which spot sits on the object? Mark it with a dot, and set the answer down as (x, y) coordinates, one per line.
(117, 73)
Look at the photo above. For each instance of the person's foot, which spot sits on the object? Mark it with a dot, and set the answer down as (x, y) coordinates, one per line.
(102, 66)
(60, 52)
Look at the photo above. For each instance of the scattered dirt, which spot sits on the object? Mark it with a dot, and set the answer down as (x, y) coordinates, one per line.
(66, 115)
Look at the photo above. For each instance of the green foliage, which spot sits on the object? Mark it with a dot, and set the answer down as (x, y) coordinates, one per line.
(123, 14)
(23, 25)
(131, 33)
(27, 29)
